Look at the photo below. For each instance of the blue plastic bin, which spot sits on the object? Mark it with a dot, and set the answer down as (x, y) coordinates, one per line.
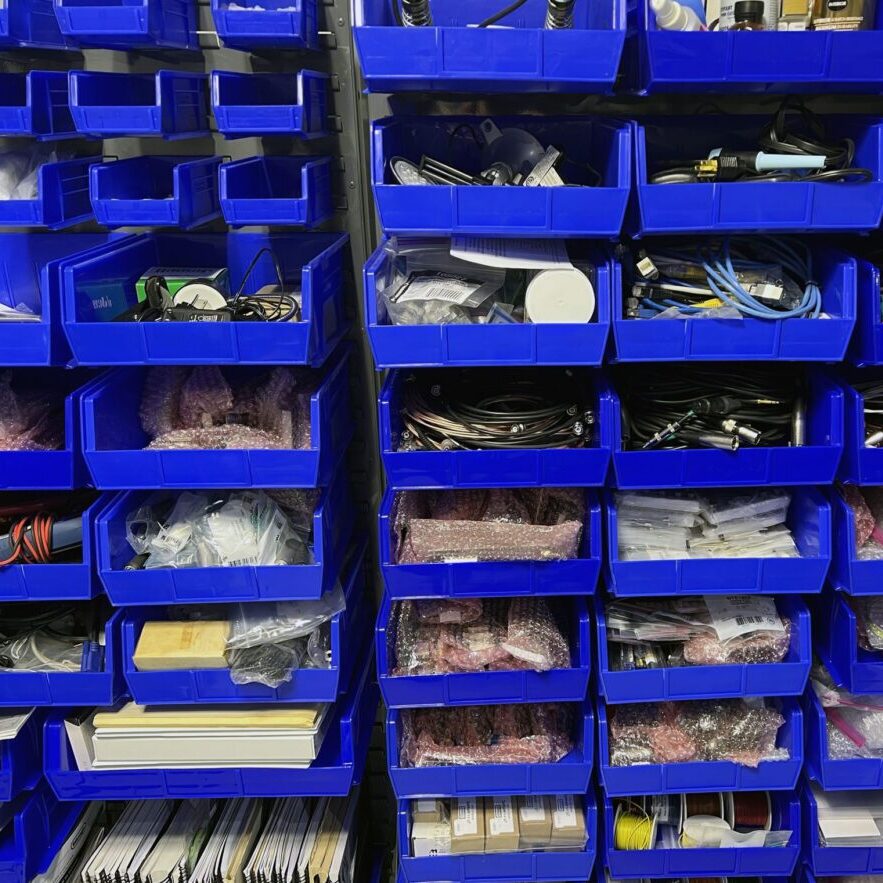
(522, 467)
(835, 636)
(252, 105)
(332, 529)
(128, 25)
(746, 206)
(603, 145)
(294, 191)
(519, 56)
(800, 340)
(31, 24)
(69, 689)
(98, 287)
(813, 463)
(860, 465)
(483, 579)
(49, 470)
(338, 766)
(851, 774)
(488, 345)
(785, 678)
(704, 776)
(848, 572)
(170, 104)
(29, 275)
(570, 775)
(809, 518)
(349, 639)
(114, 443)
(866, 347)
(267, 24)
(62, 198)
(749, 861)
(21, 759)
(554, 864)
(487, 687)
(35, 105)
(156, 191)
(769, 61)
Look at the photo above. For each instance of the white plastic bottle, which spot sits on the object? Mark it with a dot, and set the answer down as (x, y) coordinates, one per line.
(673, 16)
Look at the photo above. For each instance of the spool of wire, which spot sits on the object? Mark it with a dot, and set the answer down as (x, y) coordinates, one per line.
(633, 828)
(752, 810)
(703, 805)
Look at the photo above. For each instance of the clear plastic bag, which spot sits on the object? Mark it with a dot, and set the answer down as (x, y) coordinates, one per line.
(269, 664)
(869, 614)
(854, 723)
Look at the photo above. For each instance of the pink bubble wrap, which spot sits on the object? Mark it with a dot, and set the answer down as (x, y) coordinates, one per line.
(30, 419)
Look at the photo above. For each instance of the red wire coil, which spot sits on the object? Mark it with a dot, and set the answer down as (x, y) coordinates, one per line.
(750, 809)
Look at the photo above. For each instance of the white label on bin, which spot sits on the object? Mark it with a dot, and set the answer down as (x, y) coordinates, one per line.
(466, 821)
(533, 809)
(503, 819)
(735, 615)
(564, 813)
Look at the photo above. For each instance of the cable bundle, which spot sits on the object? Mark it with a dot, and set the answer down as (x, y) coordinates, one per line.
(871, 392)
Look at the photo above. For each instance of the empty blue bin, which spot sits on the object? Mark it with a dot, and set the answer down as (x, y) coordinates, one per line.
(570, 775)
(338, 766)
(851, 574)
(552, 864)
(483, 344)
(746, 861)
(809, 518)
(487, 687)
(168, 104)
(746, 206)
(35, 105)
(66, 689)
(768, 61)
(349, 634)
(699, 777)
(21, 759)
(114, 442)
(785, 678)
(98, 287)
(267, 24)
(745, 338)
(594, 208)
(61, 200)
(860, 464)
(521, 467)
(156, 191)
(866, 347)
(31, 24)
(252, 105)
(483, 579)
(127, 25)
(813, 463)
(835, 634)
(332, 529)
(519, 56)
(294, 191)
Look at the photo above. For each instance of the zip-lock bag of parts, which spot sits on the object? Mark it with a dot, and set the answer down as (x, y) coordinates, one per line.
(854, 723)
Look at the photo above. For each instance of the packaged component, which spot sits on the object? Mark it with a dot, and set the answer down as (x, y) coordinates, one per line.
(568, 823)
(854, 723)
(428, 809)
(167, 646)
(866, 504)
(501, 824)
(534, 822)
(430, 838)
(467, 825)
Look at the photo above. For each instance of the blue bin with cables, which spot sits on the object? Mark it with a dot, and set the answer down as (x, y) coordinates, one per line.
(450, 54)
(814, 462)
(809, 519)
(486, 687)
(115, 443)
(756, 334)
(570, 775)
(752, 61)
(482, 579)
(701, 777)
(862, 463)
(333, 521)
(267, 24)
(730, 861)
(597, 164)
(851, 573)
(167, 104)
(60, 199)
(749, 206)
(836, 641)
(21, 757)
(339, 765)
(488, 344)
(98, 287)
(731, 680)
(294, 191)
(493, 467)
(130, 24)
(31, 24)
(555, 863)
(35, 105)
(253, 105)
(866, 347)
(156, 191)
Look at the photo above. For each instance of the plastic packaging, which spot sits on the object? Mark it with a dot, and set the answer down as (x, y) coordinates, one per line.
(866, 504)
(44, 639)
(854, 723)
(18, 172)
(31, 418)
(672, 16)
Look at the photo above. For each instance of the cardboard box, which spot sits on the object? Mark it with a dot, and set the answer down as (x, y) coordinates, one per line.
(501, 824)
(568, 822)
(428, 809)
(430, 838)
(467, 825)
(534, 822)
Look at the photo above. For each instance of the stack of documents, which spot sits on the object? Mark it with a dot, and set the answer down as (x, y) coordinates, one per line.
(11, 722)
(849, 818)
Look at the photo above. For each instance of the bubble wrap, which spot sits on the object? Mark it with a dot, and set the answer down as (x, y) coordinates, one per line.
(869, 624)
(30, 419)
(459, 610)
(755, 648)
(854, 722)
(533, 635)
(497, 734)
(681, 732)
(217, 438)
(863, 520)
